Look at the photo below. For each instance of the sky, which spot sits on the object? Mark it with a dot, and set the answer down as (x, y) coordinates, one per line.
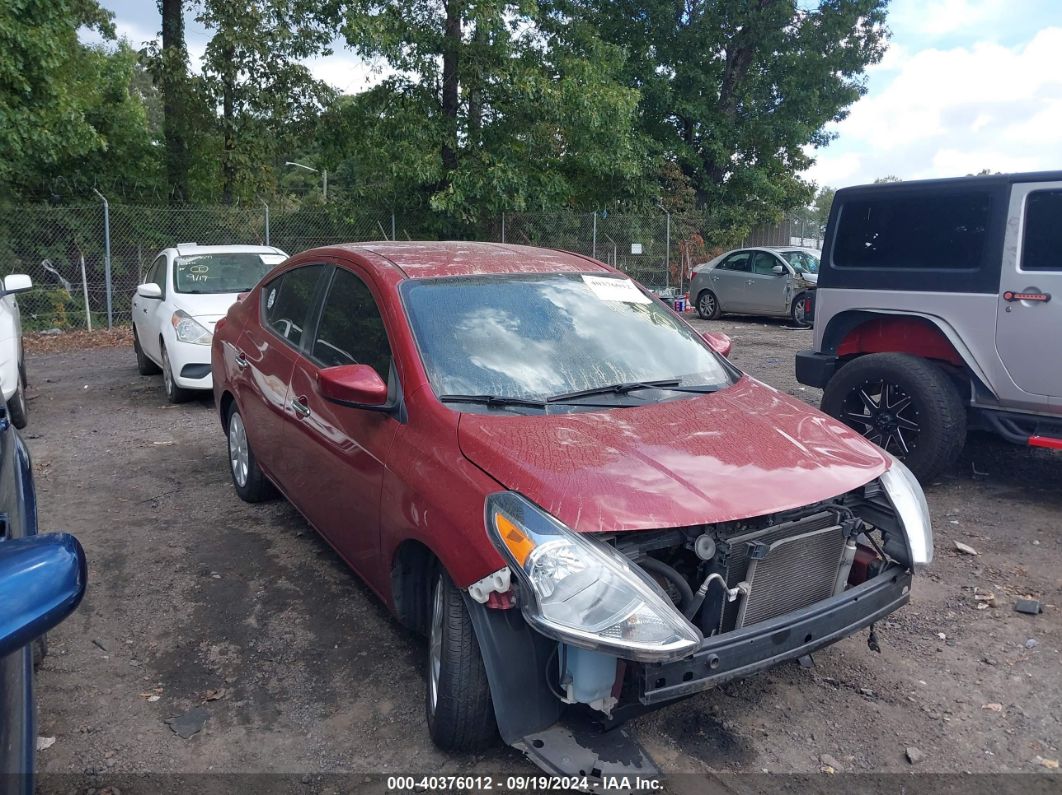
(965, 85)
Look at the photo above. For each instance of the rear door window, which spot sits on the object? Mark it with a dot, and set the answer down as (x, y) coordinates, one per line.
(351, 329)
(288, 300)
(929, 231)
(1041, 248)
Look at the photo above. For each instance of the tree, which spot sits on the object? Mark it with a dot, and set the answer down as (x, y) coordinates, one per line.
(886, 179)
(734, 91)
(493, 107)
(172, 74)
(252, 71)
(42, 110)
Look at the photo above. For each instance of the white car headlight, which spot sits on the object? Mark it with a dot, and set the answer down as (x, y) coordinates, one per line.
(188, 330)
(584, 591)
(909, 500)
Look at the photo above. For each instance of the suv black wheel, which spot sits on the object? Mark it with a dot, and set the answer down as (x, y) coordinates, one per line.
(144, 365)
(460, 711)
(708, 305)
(905, 404)
(250, 482)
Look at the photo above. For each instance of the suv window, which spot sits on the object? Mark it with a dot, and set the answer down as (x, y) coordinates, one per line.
(736, 262)
(351, 330)
(1041, 248)
(287, 300)
(763, 263)
(931, 231)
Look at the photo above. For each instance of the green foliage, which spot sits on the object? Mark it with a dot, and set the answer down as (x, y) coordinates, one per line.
(43, 107)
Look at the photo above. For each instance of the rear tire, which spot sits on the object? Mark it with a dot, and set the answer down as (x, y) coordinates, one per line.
(708, 305)
(17, 409)
(250, 482)
(144, 365)
(174, 393)
(458, 703)
(905, 404)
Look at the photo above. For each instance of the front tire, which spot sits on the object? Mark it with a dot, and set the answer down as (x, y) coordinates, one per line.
(250, 482)
(17, 408)
(799, 313)
(459, 708)
(174, 393)
(144, 365)
(905, 404)
(708, 305)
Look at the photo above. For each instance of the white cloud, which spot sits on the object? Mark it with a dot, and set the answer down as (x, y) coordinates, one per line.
(942, 17)
(954, 111)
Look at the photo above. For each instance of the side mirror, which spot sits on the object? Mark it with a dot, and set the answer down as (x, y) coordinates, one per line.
(17, 283)
(356, 385)
(149, 290)
(42, 580)
(718, 342)
(779, 270)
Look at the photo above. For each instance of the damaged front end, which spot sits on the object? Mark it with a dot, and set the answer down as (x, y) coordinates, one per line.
(611, 625)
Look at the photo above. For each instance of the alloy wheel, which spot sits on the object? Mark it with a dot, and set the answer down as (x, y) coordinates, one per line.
(435, 644)
(885, 414)
(707, 307)
(239, 452)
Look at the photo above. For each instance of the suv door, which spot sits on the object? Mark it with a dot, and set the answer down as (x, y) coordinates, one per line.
(766, 290)
(1029, 311)
(342, 450)
(728, 280)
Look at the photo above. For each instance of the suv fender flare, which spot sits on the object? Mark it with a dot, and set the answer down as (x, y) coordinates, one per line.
(841, 326)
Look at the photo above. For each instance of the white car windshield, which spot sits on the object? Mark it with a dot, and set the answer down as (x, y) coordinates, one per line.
(219, 272)
(802, 261)
(537, 336)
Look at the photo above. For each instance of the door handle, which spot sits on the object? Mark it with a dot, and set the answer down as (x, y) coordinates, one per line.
(1035, 295)
(750, 281)
(302, 411)
(241, 359)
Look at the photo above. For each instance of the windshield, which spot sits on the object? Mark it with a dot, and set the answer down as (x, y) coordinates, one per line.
(802, 261)
(220, 272)
(536, 336)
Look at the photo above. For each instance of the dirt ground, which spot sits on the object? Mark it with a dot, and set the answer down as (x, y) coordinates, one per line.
(240, 618)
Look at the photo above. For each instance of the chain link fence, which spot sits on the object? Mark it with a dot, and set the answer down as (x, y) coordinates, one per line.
(86, 261)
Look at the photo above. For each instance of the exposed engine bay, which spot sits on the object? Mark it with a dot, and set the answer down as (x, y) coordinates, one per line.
(735, 575)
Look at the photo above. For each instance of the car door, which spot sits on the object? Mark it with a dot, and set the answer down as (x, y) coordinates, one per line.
(265, 354)
(766, 290)
(342, 450)
(728, 279)
(148, 312)
(1029, 309)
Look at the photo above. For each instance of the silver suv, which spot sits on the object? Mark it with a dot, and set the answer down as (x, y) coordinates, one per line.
(939, 308)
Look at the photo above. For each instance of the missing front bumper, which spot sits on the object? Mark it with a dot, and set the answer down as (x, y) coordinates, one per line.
(743, 652)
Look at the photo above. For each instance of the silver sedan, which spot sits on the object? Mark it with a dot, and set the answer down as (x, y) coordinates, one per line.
(776, 281)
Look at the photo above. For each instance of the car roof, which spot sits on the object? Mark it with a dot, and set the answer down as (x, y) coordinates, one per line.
(973, 181)
(191, 249)
(432, 260)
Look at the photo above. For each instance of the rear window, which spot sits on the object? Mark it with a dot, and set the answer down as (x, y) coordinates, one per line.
(930, 231)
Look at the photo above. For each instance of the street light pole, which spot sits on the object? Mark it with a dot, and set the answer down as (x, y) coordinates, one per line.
(323, 173)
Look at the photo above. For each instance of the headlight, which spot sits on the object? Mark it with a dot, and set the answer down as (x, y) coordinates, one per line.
(188, 330)
(909, 500)
(583, 591)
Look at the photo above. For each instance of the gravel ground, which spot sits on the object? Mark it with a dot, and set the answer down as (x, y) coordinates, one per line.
(240, 618)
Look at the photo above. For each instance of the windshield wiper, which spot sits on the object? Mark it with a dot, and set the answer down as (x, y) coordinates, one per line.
(670, 384)
(493, 400)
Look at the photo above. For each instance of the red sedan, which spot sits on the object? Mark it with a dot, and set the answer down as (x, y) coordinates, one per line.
(578, 500)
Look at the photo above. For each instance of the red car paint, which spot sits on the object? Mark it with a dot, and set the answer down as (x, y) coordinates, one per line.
(371, 482)
(900, 335)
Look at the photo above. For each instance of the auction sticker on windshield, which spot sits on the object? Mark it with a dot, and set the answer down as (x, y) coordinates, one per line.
(608, 289)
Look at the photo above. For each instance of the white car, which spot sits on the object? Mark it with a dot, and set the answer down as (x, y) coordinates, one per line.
(12, 362)
(186, 290)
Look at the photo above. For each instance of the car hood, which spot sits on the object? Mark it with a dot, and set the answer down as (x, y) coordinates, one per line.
(810, 278)
(207, 308)
(745, 451)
